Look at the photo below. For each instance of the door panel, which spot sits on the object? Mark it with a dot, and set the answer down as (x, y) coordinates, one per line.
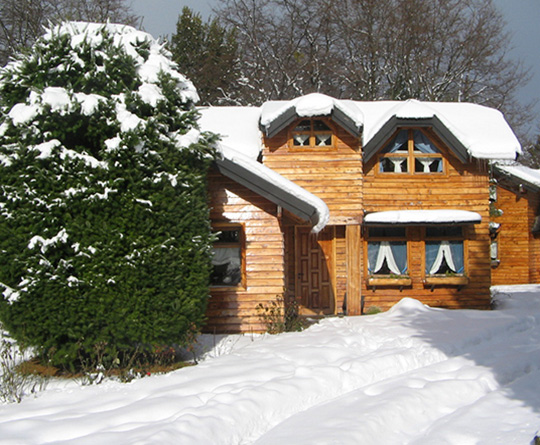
(315, 271)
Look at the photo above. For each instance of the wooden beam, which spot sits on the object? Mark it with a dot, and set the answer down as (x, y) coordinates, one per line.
(353, 240)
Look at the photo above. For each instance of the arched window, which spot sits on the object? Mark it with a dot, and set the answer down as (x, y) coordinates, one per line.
(410, 151)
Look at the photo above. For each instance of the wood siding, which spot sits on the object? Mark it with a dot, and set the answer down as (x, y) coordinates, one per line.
(235, 309)
(460, 186)
(519, 249)
(334, 175)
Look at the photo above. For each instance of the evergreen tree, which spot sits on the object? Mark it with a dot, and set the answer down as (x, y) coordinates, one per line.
(104, 228)
(207, 54)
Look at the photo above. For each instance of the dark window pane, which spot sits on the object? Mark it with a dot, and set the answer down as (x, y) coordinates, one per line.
(444, 232)
(228, 236)
(320, 126)
(387, 232)
(304, 125)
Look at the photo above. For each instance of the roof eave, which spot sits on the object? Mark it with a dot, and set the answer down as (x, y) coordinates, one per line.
(268, 190)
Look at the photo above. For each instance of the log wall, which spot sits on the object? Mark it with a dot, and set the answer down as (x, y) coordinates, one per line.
(519, 249)
(462, 187)
(335, 176)
(235, 309)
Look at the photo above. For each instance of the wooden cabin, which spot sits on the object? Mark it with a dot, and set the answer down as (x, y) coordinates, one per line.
(515, 224)
(346, 207)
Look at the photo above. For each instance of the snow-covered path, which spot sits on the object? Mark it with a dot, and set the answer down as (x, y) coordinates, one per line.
(412, 375)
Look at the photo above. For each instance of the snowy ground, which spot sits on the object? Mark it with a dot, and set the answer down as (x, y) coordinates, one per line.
(413, 375)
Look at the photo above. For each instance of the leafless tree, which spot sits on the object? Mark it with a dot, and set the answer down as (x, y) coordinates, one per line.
(441, 50)
(22, 21)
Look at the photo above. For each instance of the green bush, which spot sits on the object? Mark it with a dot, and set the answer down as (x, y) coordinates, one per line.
(104, 224)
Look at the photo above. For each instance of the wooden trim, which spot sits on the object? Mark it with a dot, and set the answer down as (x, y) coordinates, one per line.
(446, 280)
(353, 240)
(387, 280)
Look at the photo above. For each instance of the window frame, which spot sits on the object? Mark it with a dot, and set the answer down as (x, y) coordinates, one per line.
(459, 278)
(241, 244)
(312, 135)
(411, 156)
(378, 279)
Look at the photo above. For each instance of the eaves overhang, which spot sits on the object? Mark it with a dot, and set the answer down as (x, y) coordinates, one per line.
(269, 190)
(290, 115)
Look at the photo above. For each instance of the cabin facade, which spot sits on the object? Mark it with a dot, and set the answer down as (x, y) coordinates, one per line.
(346, 207)
(515, 224)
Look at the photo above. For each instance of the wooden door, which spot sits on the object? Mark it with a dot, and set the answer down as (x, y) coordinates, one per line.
(315, 271)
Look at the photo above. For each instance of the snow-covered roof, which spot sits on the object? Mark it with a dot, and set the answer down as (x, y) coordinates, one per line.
(276, 115)
(238, 127)
(520, 173)
(442, 216)
(473, 130)
(270, 184)
(482, 131)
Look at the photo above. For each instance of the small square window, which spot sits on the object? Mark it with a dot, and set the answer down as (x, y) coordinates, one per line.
(314, 133)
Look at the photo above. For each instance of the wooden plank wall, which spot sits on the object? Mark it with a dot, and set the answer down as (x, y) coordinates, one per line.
(460, 187)
(335, 176)
(534, 239)
(235, 310)
(519, 249)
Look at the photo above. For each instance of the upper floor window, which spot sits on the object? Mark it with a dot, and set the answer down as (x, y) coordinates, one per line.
(314, 133)
(410, 151)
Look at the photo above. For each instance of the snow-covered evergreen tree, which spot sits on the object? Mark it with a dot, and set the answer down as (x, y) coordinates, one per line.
(104, 226)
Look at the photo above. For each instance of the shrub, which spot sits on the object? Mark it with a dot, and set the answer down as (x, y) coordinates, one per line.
(105, 238)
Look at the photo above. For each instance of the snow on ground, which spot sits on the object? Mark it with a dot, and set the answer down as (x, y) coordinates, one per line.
(413, 375)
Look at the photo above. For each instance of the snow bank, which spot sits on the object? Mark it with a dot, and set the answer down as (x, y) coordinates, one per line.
(411, 375)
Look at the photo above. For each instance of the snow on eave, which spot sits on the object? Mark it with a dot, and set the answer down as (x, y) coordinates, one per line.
(520, 173)
(432, 216)
(268, 178)
(276, 115)
(480, 132)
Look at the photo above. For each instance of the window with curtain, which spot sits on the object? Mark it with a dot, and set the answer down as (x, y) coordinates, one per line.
(314, 133)
(387, 251)
(410, 151)
(444, 251)
(227, 257)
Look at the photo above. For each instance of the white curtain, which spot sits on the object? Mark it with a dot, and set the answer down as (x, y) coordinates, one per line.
(444, 253)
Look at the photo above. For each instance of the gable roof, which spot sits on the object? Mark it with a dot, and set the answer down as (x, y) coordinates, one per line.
(471, 130)
(277, 115)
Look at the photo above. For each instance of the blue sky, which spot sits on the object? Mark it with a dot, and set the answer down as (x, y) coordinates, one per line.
(522, 17)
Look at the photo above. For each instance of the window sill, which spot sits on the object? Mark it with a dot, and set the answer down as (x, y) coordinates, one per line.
(444, 280)
(227, 288)
(398, 281)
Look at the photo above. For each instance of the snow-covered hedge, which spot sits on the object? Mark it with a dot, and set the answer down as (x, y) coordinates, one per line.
(104, 226)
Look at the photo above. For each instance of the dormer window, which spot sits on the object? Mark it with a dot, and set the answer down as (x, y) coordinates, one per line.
(312, 133)
(410, 151)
